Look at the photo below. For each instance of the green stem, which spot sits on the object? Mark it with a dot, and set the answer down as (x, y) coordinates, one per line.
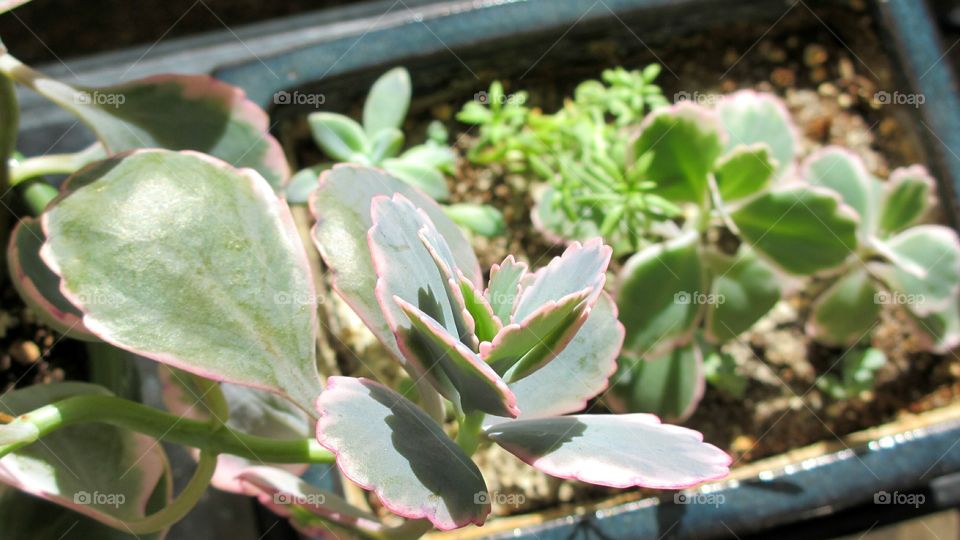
(37, 194)
(185, 501)
(468, 435)
(26, 168)
(9, 123)
(158, 424)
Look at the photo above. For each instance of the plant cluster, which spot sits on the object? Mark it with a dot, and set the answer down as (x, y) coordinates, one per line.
(173, 241)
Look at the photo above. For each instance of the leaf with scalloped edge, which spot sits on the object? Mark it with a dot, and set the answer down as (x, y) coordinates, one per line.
(684, 141)
(312, 511)
(847, 311)
(103, 472)
(908, 195)
(478, 388)
(341, 206)
(214, 280)
(750, 117)
(487, 324)
(386, 444)
(658, 293)
(925, 269)
(618, 451)
(802, 230)
(37, 285)
(670, 385)
(176, 112)
(745, 170)
(579, 267)
(503, 288)
(252, 411)
(745, 288)
(843, 172)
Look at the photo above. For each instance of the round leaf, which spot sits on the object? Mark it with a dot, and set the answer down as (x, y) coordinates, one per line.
(750, 117)
(845, 312)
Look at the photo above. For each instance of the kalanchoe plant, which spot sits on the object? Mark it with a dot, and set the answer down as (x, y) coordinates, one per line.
(379, 142)
(215, 283)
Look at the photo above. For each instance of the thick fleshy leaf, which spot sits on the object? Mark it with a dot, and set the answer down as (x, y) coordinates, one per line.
(388, 101)
(486, 322)
(31, 518)
(478, 388)
(426, 178)
(385, 144)
(660, 293)
(841, 171)
(940, 329)
(339, 136)
(38, 286)
(104, 472)
(214, 280)
(670, 385)
(311, 510)
(550, 219)
(342, 206)
(750, 117)
(685, 140)
(908, 195)
(481, 219)
(744, 171)
(800, 229)
(579, 267)
(177, 112)
(400, 453)
(252, 411)
(614, 450)
(925, 269)
(503, 288)
(524, 347)
(720, 371)
(745, 288)
(7, 5)
(845, 312)
(302, 184)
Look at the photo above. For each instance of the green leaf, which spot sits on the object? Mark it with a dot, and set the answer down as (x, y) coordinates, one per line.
(387, 102)
(841, 171)
(340, 137)
(859, 368)
(908, 195)
(925, 268)
(579, 267)
(428, 179)
(487, 323)
(750, 117)
(669, 386)
(104, 472)
(799, 229)
(38, 286)
(720, 370)
(658, 293)
(400, 453)
(176, 112)
(745, 170)
(847, 311)
(745, 288)
(481, 219)
(302, 184)
(616, 450)
(685, 140)
(442, 158)
(940, 330)
(181, 258)
(386, 143)
(503, 288)
(341, 206)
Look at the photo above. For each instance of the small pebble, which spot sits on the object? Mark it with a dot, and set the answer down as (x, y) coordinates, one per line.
(814, 54)
(25, 352)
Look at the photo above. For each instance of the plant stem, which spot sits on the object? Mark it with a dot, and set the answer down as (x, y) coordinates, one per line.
(113, 369)
(161, 425)
(36, 193)
(9, 123)
(183, 503)
(468, 436)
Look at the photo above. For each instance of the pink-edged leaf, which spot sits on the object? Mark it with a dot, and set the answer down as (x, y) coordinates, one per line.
(176, 112)
(463, 321)
(181, 258)
(386, 444)
(579, 372)
(252, 411)
(580, 267)
(522, 348)
(342, 207)
(314, 512)
(751, 117)
(503, 288)
(478, 387)
(908, 195)
(614, 450)
(38, 286)
(486, 323)
(7, 5)
(101, 471)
